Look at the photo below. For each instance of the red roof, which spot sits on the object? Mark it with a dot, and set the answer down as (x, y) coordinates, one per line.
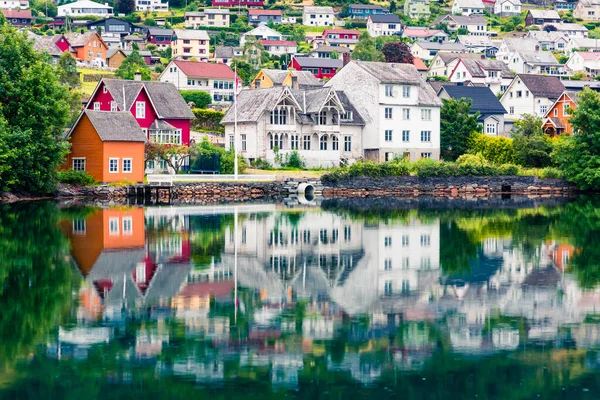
(341, 32)
(17, 13)
(415, 32)
(419, 64)
(278, 42)
(265, 12)
(205, 69)
(589, 55)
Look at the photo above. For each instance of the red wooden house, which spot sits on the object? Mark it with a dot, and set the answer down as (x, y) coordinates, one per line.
(238, 3)
(320, 67)
(158, 107)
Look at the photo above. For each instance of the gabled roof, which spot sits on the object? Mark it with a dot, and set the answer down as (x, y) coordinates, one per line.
(191, 34)
(449, 46)
(312, 62)
(543, 85)
(252, 103)
(318, 10)
(418, 31)
(111, 52)
(165, 97)
(588, 55)
(419, 64)
(477, 68)
(539, 58)
(564, 26)
(46, 44)
(264, 12)
(448, 57)
(384, 19)
(482, 98)
(115, 126)
(80, 39)
(573, 95)
(204, 69)
(331, 49)
(544, 14)
(22, 14)
(226, 51)
(462, 19)
(261, 30)
(544, 36)
(469, 40)
(152, 31)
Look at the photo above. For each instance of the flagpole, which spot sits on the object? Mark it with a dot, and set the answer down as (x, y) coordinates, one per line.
(235, 263)
(235, 149)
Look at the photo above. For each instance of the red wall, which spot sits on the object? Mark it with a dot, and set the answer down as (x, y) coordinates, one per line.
(319, 75)
(150, 114)
(104, 98)
(184, 125)
(62, 44)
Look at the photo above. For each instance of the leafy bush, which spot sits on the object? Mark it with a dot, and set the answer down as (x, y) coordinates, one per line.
(428, 168)
(226, 158)
(508, 169)
(293, 160)
(495, 149)
(551, 173)
(207, 120)
(259, 163)
(77, 178)
(200, 98)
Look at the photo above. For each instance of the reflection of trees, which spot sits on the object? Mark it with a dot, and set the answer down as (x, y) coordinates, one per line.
(208, 238)
(35, 277)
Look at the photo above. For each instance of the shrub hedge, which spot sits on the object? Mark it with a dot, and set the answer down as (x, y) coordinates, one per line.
(208, 120)
(76, 178)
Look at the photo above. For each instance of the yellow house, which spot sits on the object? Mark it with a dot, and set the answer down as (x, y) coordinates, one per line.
(267, 78)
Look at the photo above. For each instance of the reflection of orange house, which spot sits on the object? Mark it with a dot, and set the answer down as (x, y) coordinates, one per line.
(556, 120)
(562, 254)
(87, 46)
(107, 145)
(105, 230)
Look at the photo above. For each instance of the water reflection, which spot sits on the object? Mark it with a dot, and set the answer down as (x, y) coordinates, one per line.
(323, 299)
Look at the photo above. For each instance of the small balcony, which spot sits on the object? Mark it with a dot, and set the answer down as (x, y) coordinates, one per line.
(281, 128)
(326, 128)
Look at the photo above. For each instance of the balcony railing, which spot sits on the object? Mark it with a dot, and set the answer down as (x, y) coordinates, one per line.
(279, 128)
(326, 128)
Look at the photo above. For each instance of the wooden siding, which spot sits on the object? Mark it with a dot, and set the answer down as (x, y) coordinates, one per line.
(124, 239)
(85, 142)
(121, 150)
(116, 60)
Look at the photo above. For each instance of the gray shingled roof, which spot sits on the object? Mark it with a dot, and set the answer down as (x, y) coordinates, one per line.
(545, 14)
(312, 62)
(477, 67)
(357, 119)
(543, 85)
(45, 44)
(390, 72)
(447, 57)
(252, 103)
(539, 58)
(385, 19)
(483, 100)
(164, 96)
(79, 39)
(160, 32)
(225, 51)
(116, 126)
(305, 78)
(331, 49)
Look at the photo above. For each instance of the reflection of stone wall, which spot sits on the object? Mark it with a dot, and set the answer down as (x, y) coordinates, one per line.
(463, 186)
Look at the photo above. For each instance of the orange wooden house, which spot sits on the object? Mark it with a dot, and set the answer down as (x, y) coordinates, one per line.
(108, 145)
(87, 46)
(556, 120)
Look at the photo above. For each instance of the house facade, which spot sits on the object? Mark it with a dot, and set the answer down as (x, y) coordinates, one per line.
(261, 32)
(159, 37)
(326, 51)
(417, 9)
(525, 56)
(87, 46)
(218, 17)
(587, 10)
(556, 120)
(384, 25)
(401, 112)
(260, 16)
(238, 3)
(531, 94)
(226, 54)
(475, 25)
(467, 7)
(151, 5)
(18, 18)
(158, 107)
(444, 63)
(116, 27)
(216, 79)
(568, 29)
(318, 16)
(267, 78)
(279, 47)
(114, 58)
(321, 124)
(321, 68)
(186, 44)
(363, 11)
(423, 33)
(341, 37)
(507, 8)
(428, 50)
(588, 62)
(107, 145)
(541, 17)
(492, 73)
(14, 4)
(84, 8)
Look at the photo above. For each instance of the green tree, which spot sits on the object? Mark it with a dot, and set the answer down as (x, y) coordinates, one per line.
(397, 52)
(174, 155)
(200, 98)
(366, 50)
(33, 114)
(125, 6)
(578, 156)
(456, 128)
(67, 70)
(150, 22)
(132, 64)
(334, 55)
(532, 147)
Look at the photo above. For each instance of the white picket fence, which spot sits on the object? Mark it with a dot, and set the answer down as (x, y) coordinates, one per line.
(168, 180)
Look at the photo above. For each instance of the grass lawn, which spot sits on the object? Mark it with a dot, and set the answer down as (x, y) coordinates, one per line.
(88, 87)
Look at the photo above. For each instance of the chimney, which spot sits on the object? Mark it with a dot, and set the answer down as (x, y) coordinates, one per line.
(346, 58)
(137, 76)
(295, 82)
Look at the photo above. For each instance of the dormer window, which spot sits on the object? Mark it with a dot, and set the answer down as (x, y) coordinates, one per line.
(347, 116)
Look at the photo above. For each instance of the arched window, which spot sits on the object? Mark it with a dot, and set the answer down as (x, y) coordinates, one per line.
(323, 142)
(323, 118)
(335, 143)
(276, 141)
(271, 141)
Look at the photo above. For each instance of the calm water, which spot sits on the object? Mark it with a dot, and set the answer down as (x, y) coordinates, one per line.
(351, 300)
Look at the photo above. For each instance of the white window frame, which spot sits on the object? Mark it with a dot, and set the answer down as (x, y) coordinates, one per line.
(115, 221)
(140, 109)
(79, 226)
(96, 106)
(389, 91)
(426, 114)
(110, 160)
(113, 106)
(78, 159)
(130, 165)
(124, 220)
(406, 91)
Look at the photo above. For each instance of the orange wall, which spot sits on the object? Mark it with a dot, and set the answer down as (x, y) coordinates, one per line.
(85, 142)
(120, 150)
(86, 247)
(137, 236)
(116, 60)
(561, 116)
(83, 51)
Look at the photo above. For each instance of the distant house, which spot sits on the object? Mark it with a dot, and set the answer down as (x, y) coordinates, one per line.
(541, 17)
(218, 80)
(318, 16)
(116, 27)
(427, 50)
(384, 25)
(493, 73)
(187, 43)
(420, 66)
(158, 108)
(218, 17)
(107, 145)
(553, 40)
(225, 54)
(260, 16)
(128, 41)
(84, 8)
(115, 57)
(531, 94)
(557, 119)
(147, 55)
(417, 9)
(363, 11)
(151, 5)
(583, 44)
(112, 42)
(426, 34)
(467, 7)
(507, 7)
(18, 18)
(279, 47)
(14, 4)
(238, 3)
(478, 44)
(587, 10)
(564, 5)
(327, 51)
(444, 63)
(159, 37)
(475, 25)
(525, 56)
(588, 62)
(295, 79)
(483, 101)
(87, 46)
(261, 32)
(319, 67)
(54, 46)
(341, 37)
(571, 30)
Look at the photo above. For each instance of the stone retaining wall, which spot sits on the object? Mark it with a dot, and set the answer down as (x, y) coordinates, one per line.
(476, 186)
